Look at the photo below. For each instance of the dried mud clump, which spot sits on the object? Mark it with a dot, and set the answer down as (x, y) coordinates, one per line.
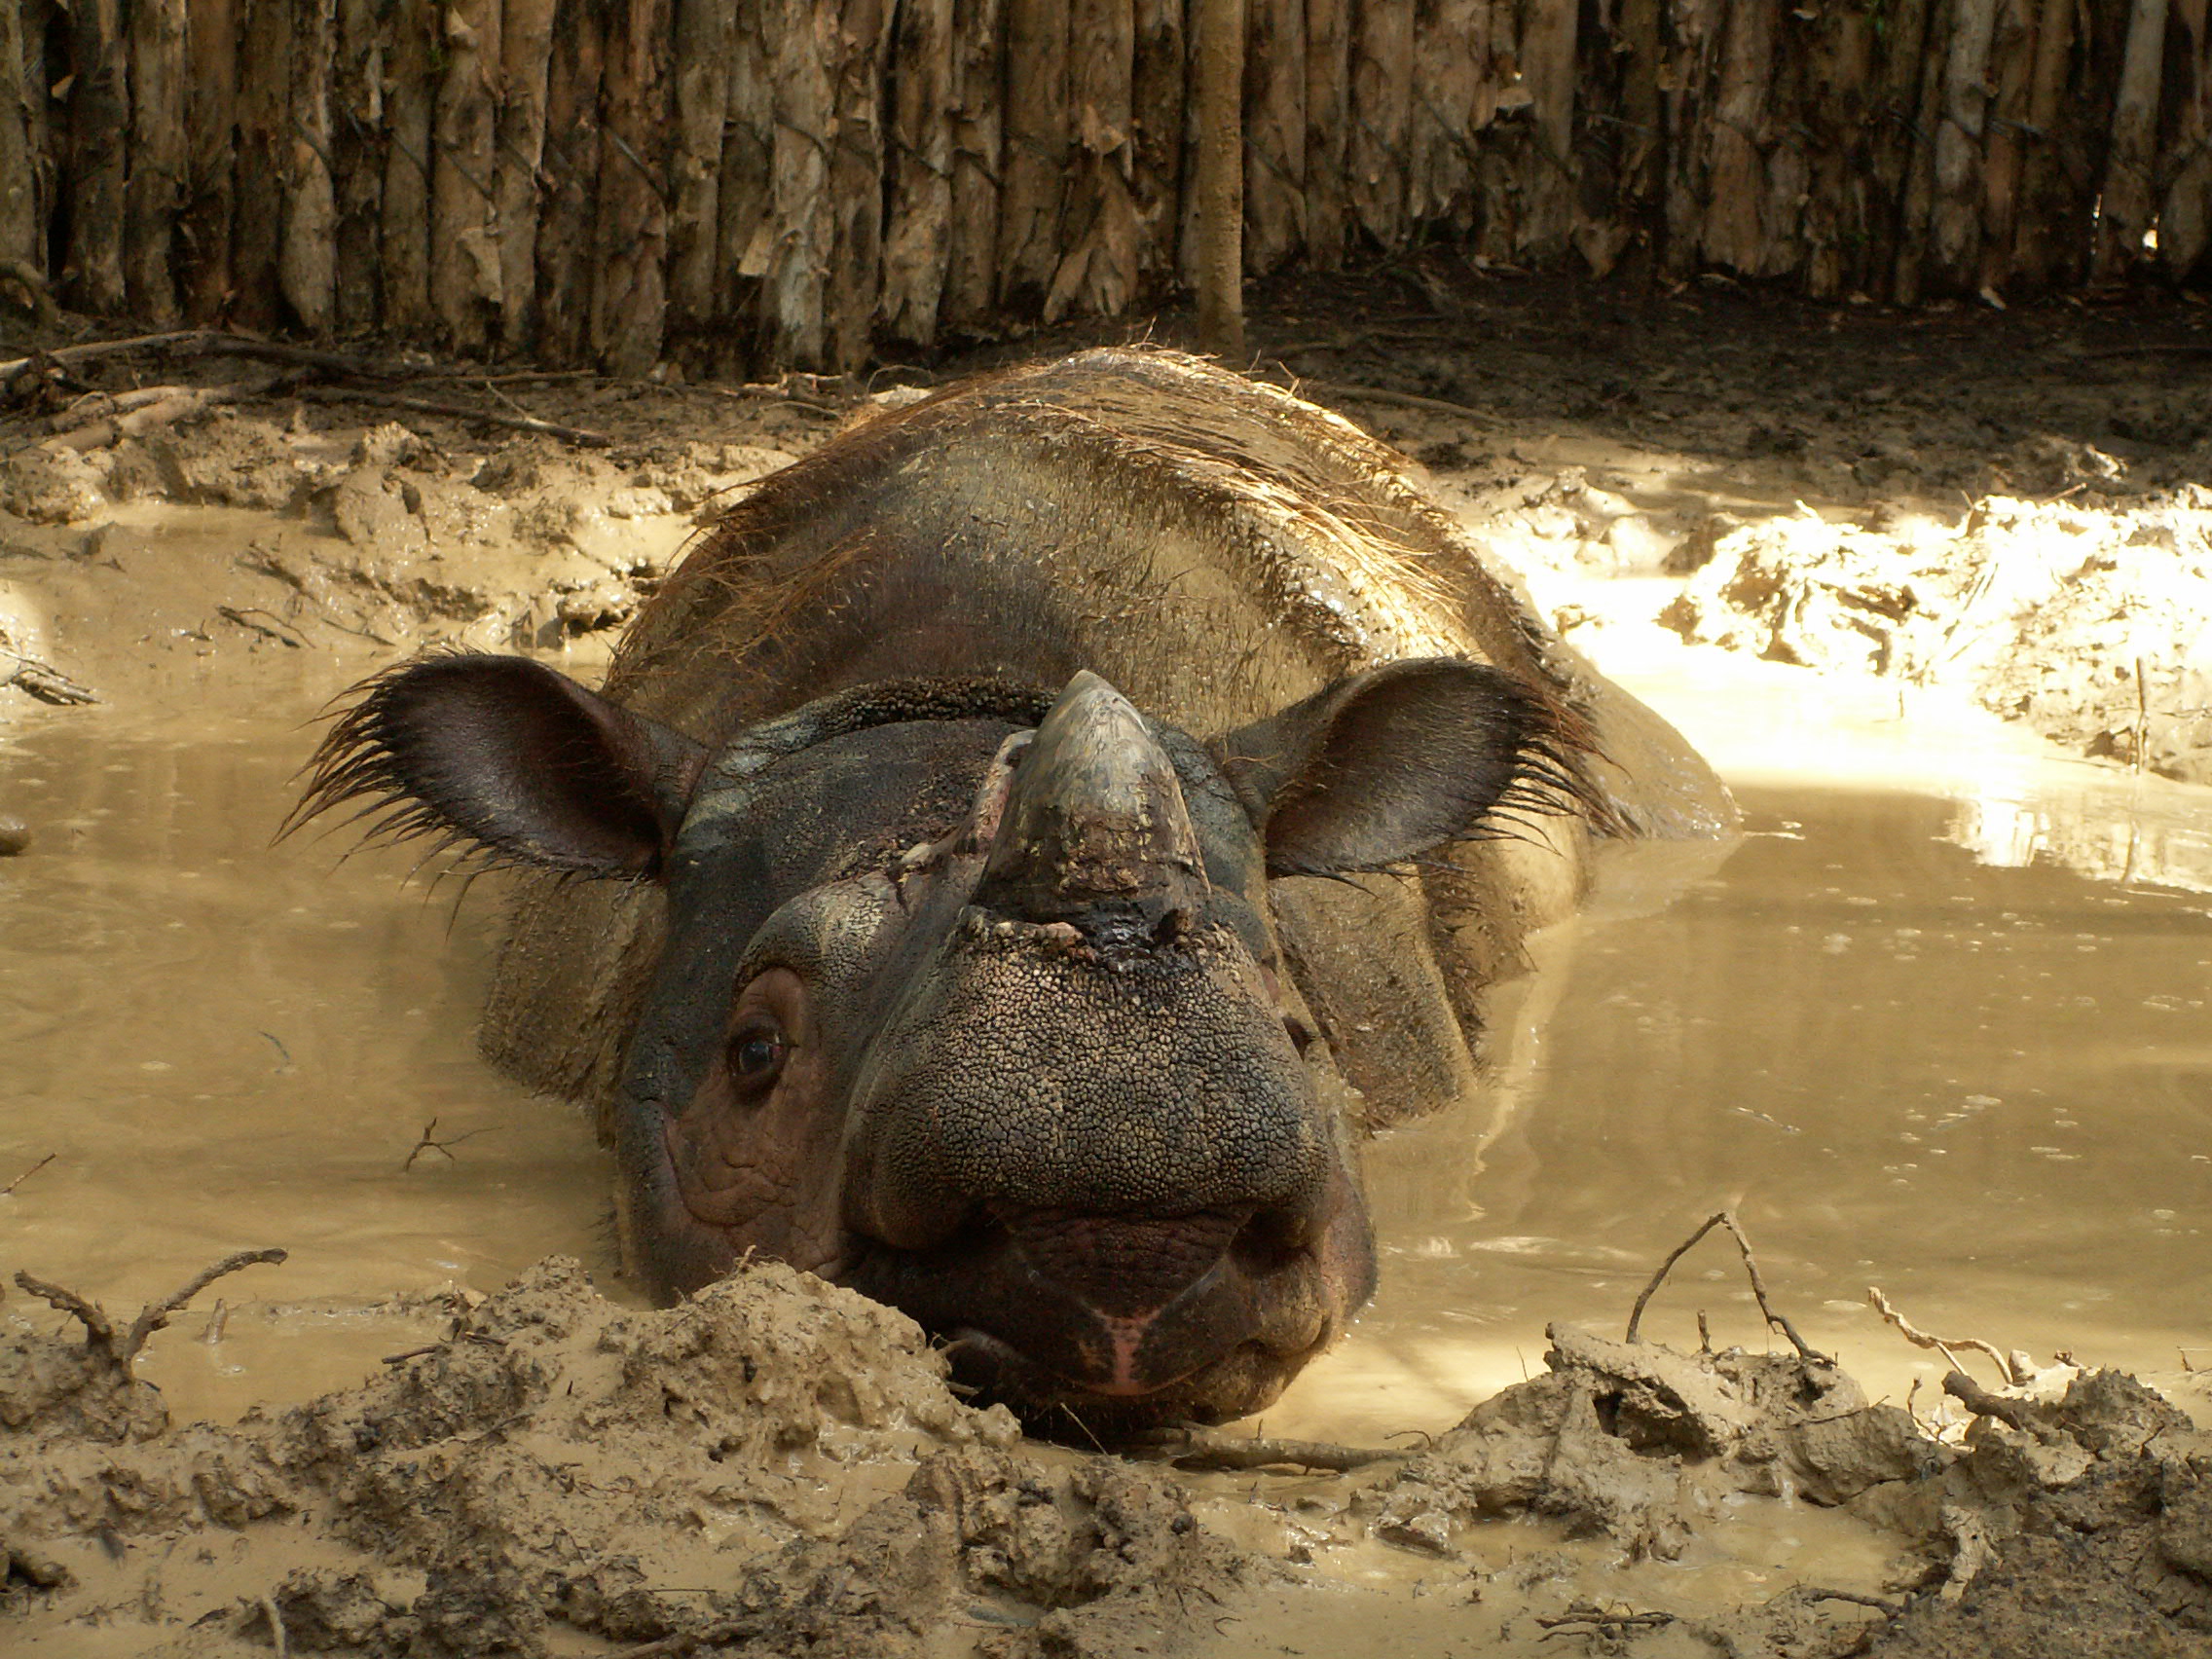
(773, 1466)
(1642, 1444)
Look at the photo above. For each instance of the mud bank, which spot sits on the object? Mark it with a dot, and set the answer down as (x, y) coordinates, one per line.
(777, 1467)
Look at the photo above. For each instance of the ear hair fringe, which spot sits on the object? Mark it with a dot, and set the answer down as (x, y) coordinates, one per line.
(357, 764)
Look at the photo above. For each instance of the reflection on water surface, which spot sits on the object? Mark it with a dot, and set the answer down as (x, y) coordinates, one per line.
(1987, 1089)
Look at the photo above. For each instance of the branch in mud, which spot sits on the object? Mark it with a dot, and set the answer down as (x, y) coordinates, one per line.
(43, 681)
(1775, 1321)
(2014, 1413)
(2006, 1366)
(100, 1330)
(579, 435)
(1191, 1447)
(27, 1174)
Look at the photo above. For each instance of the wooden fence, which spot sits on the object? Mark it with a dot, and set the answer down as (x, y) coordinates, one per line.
(752, 184)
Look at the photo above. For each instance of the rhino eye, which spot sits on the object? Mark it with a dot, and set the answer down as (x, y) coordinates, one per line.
(755, 1057)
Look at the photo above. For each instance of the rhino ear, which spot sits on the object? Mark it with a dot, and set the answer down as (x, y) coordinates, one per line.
(504, 753)
(1386, 764)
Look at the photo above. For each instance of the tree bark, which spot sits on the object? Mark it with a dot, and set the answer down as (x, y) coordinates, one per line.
(307, 261)
(1449, 72)
(526, 50)
(406, 206)
(2040, 235)
(1328, 129)
(1382, 112)
(979, 70)
(1098, 274)
(19, 160)
(1918, 190)
(1217, 70)
(157, 158)
(745, 202)
(465, 225)
(2128, 202)
(1736, 232)
(629, 304)
(2011, 53)
(1548, 65)
(571, 163)
(358, 155)
(1274, 133)
(210, 115)
(1686, 98)
(1955, 232)
(856, 182)
(99, 121)
(2185, 217)
(1038, 143)
(705, 44)
(802, 231)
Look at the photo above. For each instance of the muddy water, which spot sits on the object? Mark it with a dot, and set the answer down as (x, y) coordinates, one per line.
(1904, 1039)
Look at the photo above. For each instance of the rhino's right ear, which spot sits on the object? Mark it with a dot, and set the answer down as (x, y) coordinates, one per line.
(504, 753)
(1386, 764)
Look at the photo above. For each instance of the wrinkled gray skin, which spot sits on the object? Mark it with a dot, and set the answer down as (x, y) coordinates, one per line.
(998, 842)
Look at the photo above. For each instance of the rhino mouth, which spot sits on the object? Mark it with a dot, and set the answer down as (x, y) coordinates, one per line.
(1125, 1321)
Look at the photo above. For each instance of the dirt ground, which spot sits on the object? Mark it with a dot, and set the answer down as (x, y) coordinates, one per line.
(2016, 507)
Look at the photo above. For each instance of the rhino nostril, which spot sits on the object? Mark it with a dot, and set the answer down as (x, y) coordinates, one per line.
(1273, 1239)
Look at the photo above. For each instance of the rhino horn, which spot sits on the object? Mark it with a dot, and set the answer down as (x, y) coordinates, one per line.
(1094, 829)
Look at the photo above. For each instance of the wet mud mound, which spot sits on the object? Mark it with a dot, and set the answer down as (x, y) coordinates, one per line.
(2094, 625)
(774, 1466)
(777, 1467)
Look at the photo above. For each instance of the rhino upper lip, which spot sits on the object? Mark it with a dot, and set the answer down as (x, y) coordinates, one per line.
(1038, 1340)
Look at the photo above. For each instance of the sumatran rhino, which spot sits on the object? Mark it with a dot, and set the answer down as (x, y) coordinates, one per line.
(1016, 855)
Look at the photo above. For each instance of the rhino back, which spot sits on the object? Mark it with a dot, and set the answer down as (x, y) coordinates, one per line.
(1214, 547)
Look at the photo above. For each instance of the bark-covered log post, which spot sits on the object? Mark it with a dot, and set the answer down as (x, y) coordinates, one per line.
(525, 51)
(706, 45)
(2129, 201)
(856, 182)
(406, 204)
(629, 303)
(1917, 188)
(211, 117)
(1954, 235)
(1381, 117)
(2012, 67)
(1686, 98)
(19, 174)
(2185, 215)
(919, 231)
(99, 121)
(156, 182)
(1218, 179)
(801, 231)
(1098, 272)
(571, 162)
(466, 280)
(745, 203)
(357, 156)
(1033, 174)
(1547, 67)
(979, 80)
(1328, 129)
(2040, 241)
(306, 260)
(1738, 232)
(1274, 133)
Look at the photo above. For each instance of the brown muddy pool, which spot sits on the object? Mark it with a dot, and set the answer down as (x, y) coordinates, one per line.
(1952, 1041)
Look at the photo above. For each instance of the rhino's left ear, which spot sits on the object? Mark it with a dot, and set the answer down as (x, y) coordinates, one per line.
(501, 751)
(1386, 764)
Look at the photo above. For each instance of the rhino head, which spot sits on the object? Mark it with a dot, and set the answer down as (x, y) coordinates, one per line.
(970, 996)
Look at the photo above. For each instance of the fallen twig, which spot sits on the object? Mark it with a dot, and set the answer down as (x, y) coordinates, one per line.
(32, 281)
(1728, 1219)
(578, 435)
(101, 418)
(244, 620)
(100, 1330)
(43, 681)
(1191, 1447)
(2014, 1413)
(1405, 399)
(1942, 1346)
(430, 1144)
(27, 1174)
